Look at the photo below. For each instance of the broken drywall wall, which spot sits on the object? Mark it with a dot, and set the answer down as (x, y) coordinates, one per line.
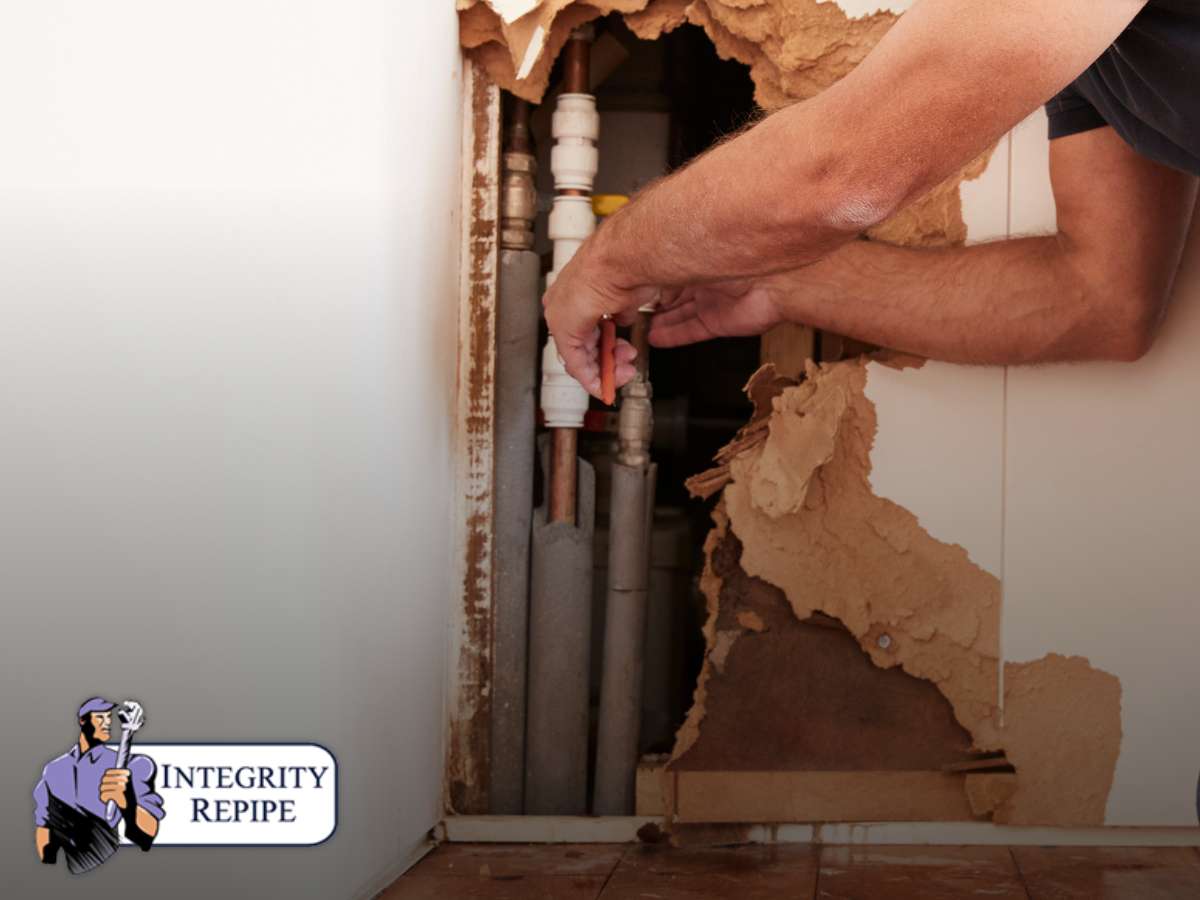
(793, 48)
(810, 525)
(935, 610)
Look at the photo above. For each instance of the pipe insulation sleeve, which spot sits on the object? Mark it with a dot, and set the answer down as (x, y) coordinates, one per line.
(518, 315)
(560, 622)
(564, 401)
(618, 736)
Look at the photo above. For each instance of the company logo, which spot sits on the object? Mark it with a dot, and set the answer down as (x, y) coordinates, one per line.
(97, 797)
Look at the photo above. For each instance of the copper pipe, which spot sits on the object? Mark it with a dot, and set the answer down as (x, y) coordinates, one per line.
(639, 336)
(517, 137)
(563, 474)
(577, 65)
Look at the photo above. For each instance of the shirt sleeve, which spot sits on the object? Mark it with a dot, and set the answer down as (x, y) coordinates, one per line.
(1070, 112)
(41, 803)
(141, 774)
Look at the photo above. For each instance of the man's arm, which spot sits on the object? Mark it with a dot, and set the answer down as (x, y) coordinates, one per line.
(949, 79)
(132, 790)
(1095, 290)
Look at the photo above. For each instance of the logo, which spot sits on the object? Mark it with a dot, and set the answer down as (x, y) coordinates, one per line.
(96, 797)
(88, 793)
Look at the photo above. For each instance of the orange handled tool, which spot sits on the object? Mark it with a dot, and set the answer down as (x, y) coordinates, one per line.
(608, 360)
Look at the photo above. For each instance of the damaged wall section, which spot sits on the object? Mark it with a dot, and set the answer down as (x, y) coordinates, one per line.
(798, 499)
(793, 48)
(798, 502)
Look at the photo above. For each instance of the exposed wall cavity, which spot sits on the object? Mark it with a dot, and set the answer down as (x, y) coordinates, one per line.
(798, 499)
(797, 505)
(794, 49)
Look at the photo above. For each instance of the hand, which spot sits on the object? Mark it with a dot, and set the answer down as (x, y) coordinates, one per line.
(113, 786)
(720, 309)
(574, 305)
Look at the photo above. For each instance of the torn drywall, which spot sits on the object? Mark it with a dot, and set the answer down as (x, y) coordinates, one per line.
(793, 48)
(798, 497)
(795, 479)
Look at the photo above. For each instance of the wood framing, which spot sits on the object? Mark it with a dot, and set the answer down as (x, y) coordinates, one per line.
(469, 699)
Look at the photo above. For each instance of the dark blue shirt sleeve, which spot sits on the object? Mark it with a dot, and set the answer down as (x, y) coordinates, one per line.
(1070, 112)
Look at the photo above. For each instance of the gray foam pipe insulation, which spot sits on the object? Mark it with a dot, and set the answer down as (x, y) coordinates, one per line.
(560, 621)
(517, 319)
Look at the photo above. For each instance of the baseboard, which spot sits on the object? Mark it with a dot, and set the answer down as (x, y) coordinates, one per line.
(624, 829)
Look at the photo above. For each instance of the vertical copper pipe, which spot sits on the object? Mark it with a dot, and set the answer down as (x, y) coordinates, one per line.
(563, 464)
(639, 336)
(563, 474)
(517, 137)
(577, 65)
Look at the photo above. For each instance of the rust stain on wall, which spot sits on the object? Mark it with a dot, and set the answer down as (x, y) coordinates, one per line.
(469, 731)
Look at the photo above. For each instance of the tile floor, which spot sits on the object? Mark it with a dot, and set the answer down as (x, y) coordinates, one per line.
(636, 872)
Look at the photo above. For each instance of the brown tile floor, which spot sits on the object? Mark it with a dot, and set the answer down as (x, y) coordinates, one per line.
(785, 871)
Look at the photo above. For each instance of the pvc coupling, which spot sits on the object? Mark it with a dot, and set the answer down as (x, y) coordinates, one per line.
(564, 401)
(571, 222)
(574, 158)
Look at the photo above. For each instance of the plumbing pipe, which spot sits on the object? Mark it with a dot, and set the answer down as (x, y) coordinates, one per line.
(560, 620)
(574, 159)
(517, 317)
(631, 519)
(560, 605)
(617, 749)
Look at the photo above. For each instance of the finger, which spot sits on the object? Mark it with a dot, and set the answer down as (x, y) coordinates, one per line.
(680, 313)
(687, 330)
(625, 373)
(627, 317)
(625, 352)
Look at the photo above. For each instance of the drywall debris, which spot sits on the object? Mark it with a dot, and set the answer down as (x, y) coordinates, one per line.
(793, 48)
(1062, 731)
(810, 525)
(989, 792)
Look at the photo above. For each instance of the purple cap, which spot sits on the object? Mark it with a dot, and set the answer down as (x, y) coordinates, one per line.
(95, 705)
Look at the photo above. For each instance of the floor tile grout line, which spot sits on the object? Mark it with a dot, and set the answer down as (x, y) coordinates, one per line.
(1012, 854)
(613, 871)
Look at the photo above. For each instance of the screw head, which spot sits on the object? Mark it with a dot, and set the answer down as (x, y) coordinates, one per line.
(884, 641)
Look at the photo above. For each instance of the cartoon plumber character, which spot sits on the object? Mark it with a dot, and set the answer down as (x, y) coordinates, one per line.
(87, 792)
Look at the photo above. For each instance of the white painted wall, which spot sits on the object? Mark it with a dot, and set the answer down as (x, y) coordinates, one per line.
(1103, 526)
(228, 291)
(1075, 484)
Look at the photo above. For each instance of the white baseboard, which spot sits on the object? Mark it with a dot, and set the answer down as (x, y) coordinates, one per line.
(623, 829)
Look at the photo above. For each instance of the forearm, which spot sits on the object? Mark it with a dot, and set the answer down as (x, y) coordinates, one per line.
(818, 173)
(775, 191)
(1008, 302)
(146, 823)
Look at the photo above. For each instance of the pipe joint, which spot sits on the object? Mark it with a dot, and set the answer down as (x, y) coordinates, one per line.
(518, 201)
(635, 423)
(564, 401)
(574, 158)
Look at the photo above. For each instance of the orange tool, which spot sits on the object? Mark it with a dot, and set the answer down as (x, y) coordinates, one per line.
(608, 360)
